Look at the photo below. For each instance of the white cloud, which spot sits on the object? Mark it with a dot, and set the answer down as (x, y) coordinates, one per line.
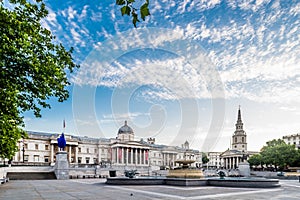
(257, 56)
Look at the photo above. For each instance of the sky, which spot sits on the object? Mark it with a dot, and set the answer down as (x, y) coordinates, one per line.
(181, 74)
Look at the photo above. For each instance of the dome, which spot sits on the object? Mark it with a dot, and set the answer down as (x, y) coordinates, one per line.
(125, 129)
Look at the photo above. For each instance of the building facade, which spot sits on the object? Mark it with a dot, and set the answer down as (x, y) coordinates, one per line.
(120, 152)
(215, 160)
(292, 139)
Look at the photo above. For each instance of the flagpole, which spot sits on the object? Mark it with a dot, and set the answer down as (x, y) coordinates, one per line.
(64, 126)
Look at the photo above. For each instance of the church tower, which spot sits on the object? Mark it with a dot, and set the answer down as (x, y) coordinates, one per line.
(239, 138)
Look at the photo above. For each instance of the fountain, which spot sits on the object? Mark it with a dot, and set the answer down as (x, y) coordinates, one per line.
(244, 181)
(185, 170)
(185, 175)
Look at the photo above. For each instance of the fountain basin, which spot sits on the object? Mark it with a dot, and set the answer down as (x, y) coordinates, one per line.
(136, 181)
(247, 182)
(186, 182)
(224, 182)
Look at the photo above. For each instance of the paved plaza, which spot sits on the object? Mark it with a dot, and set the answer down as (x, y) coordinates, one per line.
(97, 189)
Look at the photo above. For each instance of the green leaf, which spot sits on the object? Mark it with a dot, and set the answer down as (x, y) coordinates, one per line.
(120, 2)
(134, 19)
(125, 10)
(144, 11)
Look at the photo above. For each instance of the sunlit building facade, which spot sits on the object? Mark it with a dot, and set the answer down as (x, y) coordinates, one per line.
(120, 152)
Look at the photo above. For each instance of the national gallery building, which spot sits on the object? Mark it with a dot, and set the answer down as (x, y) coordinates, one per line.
(123, 151)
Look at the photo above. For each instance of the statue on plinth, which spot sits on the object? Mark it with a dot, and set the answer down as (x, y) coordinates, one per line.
(61, 142)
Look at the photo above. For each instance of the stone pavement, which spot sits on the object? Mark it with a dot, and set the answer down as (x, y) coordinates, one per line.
(97, 189)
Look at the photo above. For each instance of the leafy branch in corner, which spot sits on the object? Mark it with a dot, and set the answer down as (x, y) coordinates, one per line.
(129, 8)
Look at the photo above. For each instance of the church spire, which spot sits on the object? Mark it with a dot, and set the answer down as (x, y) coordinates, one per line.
(239, 123)
(239, 138)
(239, 115)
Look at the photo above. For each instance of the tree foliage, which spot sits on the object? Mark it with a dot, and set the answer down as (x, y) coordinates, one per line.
(205, 159)
(277, 153)
(33, 68)
(129, 7)
(256, 160)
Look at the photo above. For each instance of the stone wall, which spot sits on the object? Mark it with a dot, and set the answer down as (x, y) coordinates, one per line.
(2, 172)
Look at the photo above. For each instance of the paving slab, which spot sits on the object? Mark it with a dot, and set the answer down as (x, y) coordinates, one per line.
(97, 189)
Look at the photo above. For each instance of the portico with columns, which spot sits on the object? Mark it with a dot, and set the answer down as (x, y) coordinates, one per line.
(130, 154)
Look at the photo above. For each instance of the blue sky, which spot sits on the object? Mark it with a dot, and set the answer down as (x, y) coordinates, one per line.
(182, 74)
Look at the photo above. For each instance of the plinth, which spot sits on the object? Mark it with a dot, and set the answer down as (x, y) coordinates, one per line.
(244, 169)
(62, 166)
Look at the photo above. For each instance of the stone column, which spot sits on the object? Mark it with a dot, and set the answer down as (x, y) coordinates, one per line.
(123, 156)
(70, 154)
(145, 156)
(136, 155)
(131, 155)
(141, 151)
(127, 151)
(117, 149)
(76, 154)
(52, 153)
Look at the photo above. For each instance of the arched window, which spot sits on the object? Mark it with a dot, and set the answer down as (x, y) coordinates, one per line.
(235, 140)
(242, 139)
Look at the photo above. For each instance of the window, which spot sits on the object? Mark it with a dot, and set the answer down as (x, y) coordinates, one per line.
(36, 147)
(46, 147)
(46, 159)
(87, 160)
(36, 158)
(79, 150)
(95, 160)
(243, 139)
(235, 140)
(95, 150)
(26, 157)
(87, 150)
(26, 146)
(79, 159)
